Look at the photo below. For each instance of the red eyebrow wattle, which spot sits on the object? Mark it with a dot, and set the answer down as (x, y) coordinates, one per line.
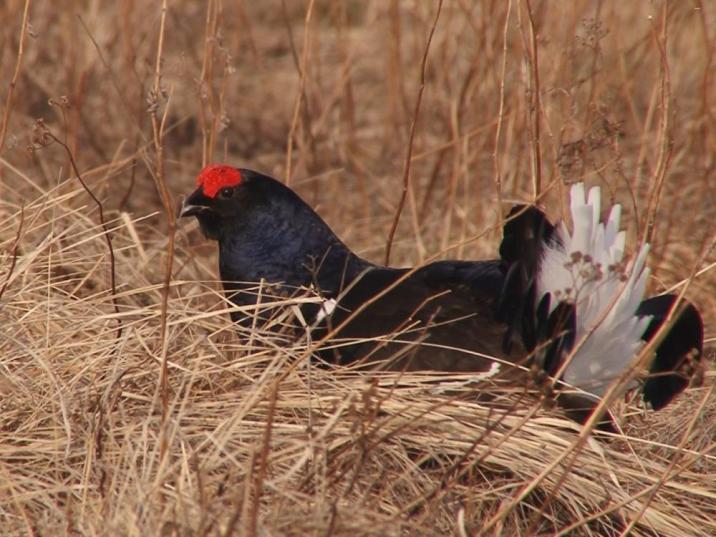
(214, 177)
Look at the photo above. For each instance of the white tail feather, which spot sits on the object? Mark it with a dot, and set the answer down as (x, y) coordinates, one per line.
(586, 268)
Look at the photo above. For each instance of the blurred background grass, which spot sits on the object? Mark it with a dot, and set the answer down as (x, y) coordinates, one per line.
(625, 100)
(520, 99)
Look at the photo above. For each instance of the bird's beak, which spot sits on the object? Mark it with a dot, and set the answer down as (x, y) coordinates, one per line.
(196, 203)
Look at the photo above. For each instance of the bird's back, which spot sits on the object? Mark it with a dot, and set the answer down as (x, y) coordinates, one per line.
(439, 317)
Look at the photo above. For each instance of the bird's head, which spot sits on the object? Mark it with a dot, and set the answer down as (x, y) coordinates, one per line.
(266, 230)
(223, 194)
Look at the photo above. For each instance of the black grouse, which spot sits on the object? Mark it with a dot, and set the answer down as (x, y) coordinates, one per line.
(566, 303)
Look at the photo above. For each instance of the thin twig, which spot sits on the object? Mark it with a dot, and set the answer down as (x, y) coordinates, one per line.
(100, 207)
(205, 79)
(666, 143)
(535, 107)
(301, 89)
(161, 185)
(16, 74)
(15, 250)
(260, 474)
(501, 118)
(413, 126)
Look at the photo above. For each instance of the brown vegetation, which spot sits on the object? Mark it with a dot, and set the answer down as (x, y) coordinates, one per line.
(129, 404)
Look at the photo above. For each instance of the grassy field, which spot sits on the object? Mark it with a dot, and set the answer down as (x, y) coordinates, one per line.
(130, 406)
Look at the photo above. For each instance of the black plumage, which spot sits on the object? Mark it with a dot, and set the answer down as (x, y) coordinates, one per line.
(445, 316)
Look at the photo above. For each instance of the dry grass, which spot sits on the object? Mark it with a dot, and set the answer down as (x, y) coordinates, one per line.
(242, 437)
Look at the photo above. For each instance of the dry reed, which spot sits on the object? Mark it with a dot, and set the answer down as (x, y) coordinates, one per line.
(244, 436)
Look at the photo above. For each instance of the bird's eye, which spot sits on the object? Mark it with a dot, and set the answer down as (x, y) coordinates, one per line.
(226, 192)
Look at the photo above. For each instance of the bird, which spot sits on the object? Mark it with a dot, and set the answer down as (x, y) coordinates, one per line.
(566, 304)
